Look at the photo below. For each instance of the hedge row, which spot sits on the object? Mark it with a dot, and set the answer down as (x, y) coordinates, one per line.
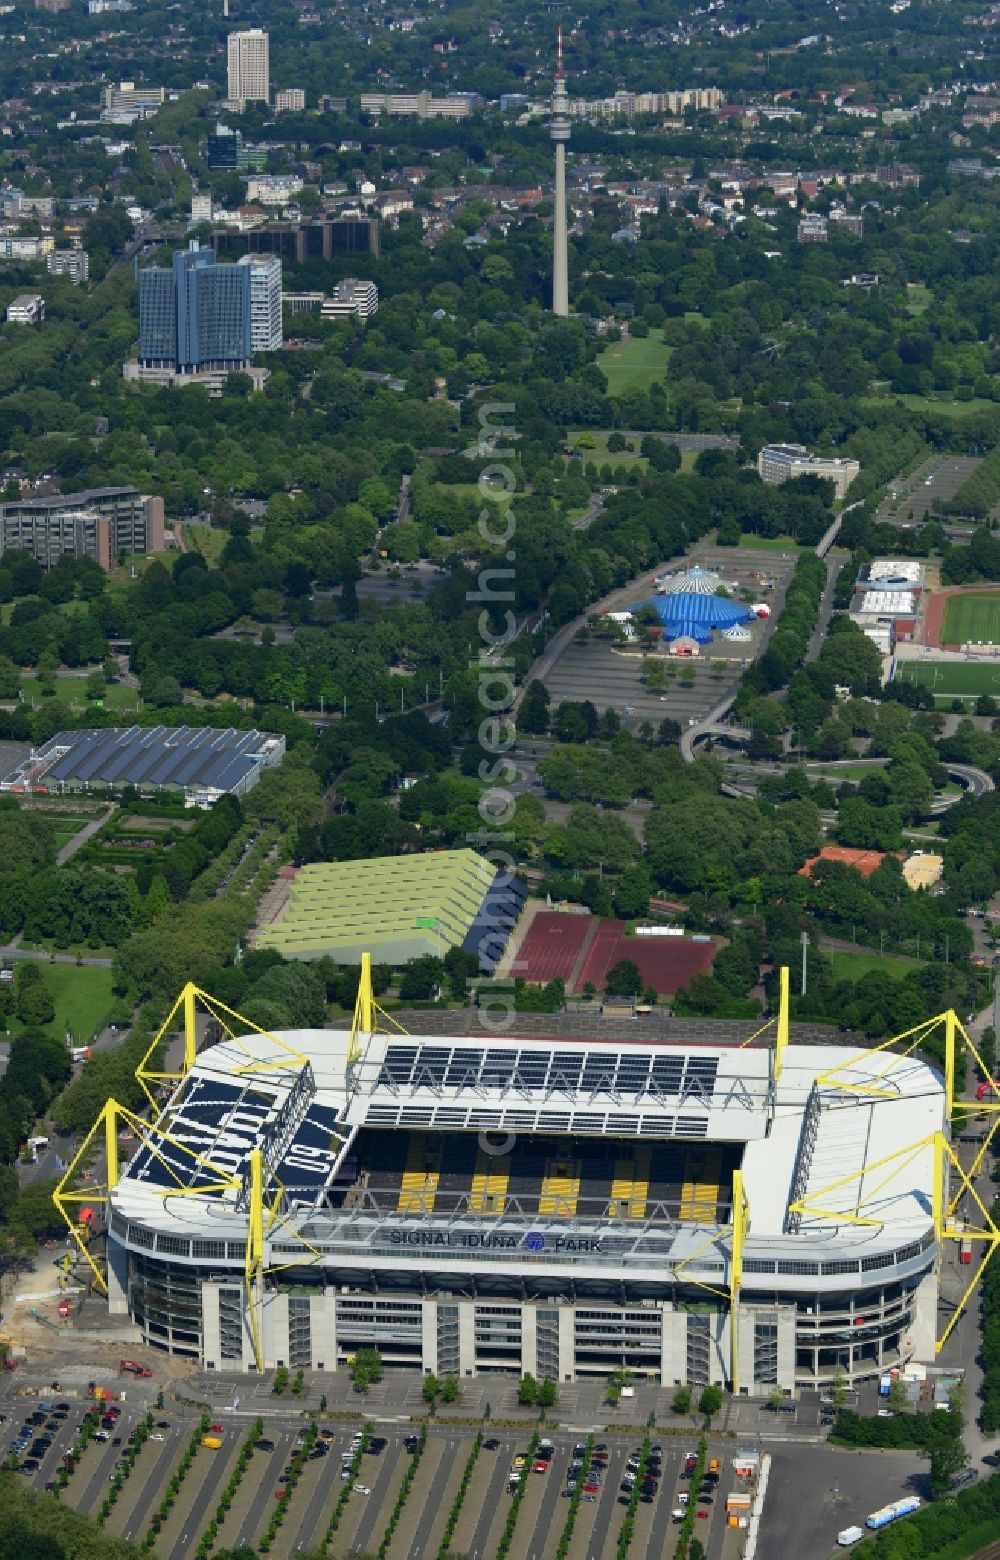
(345, 1493)
(88, 1429)
(686, 1532)
(404, 1490)
(207, 1539)
(562, 1548)
(456, 1506)
(790, 640)
(628, 1521)
(990, 1417)
(506, 1538)
(176, 1480)
(121, 1474)
(280, 1509)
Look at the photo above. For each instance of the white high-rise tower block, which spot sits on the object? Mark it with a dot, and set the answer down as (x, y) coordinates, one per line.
(559, 130)
(249, 66)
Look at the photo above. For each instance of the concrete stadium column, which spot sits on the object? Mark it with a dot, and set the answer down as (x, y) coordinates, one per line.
(117, 1279)
(529, 1341)
(923, 1327)
(323, 1324)
(567, 1344)
(429, 1336)
(211, 1339)
(673, 1346)
(273, 1330)
(467, 1338)
(786, 1347)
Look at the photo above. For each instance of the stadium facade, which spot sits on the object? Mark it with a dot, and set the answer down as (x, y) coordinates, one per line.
(750, 1214)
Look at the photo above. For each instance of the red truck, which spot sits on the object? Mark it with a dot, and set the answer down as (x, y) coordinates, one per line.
(965, 1252)
(133, 1368)
(986, 1089)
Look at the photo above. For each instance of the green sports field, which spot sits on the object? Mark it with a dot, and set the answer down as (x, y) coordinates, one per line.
(634, 363)
(951, 679)
(972, 619)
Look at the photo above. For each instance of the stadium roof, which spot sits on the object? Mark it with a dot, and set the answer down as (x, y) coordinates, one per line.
(804, 1139)
(183, 758)
(396, 908)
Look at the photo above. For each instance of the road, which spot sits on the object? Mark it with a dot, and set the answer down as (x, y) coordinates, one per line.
(12, 951)
(595, 508)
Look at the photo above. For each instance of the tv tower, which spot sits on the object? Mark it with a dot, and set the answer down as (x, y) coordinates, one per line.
(559, 129)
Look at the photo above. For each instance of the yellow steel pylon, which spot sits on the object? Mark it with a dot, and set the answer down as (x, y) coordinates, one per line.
(367, 1014)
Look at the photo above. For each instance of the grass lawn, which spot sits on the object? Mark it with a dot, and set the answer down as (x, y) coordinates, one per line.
(918, 297)
(209, 540)
(947, 678)
(852, 966)
(599, 452)
(771, 543)
(930, 403)
(72, 690)
(82, 997)
(635, 363)
(972, 619)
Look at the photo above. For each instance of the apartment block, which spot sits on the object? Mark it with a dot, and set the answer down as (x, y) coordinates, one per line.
(351, 299)
(26, 309)
(73, 263)
(248, 57)
(129, 101)
(778, 463)
(265, 302)
(101, 523)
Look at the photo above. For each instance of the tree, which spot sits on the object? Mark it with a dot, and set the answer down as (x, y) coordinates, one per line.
(838, 1390)
(546, 1393)
(449, 1389)
(623, 979)
(897, 1399)
(431, 1387)
(527, 1390)
(710, 1401)
(32, 998)
(421, 978)
(775, 1398)
(947, 1457)
(681, 1400)
(366, 1368)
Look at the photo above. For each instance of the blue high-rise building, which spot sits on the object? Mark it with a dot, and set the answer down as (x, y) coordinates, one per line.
(196, 316)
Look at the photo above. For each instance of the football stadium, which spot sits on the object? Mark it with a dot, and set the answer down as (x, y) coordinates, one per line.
(753, 1212)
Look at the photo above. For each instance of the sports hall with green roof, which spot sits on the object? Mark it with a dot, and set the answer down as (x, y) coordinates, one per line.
(397, 908)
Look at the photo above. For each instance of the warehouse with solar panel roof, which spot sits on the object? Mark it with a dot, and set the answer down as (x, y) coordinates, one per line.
(749, 1210)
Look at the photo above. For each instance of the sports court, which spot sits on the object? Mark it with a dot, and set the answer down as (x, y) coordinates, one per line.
(665, 963)
(552, 946)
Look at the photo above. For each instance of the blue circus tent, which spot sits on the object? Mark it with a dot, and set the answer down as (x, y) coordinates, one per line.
(690, 615)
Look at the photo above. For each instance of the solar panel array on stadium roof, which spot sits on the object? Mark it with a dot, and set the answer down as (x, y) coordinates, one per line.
(567, 1071)
(181, 756)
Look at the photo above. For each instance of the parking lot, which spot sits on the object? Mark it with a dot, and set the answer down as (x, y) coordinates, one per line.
(372, 1489)
(938, 479)
(812, 1491)
(612, 676)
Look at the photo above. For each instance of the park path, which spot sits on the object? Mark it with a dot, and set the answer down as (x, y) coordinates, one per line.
(86, 833)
